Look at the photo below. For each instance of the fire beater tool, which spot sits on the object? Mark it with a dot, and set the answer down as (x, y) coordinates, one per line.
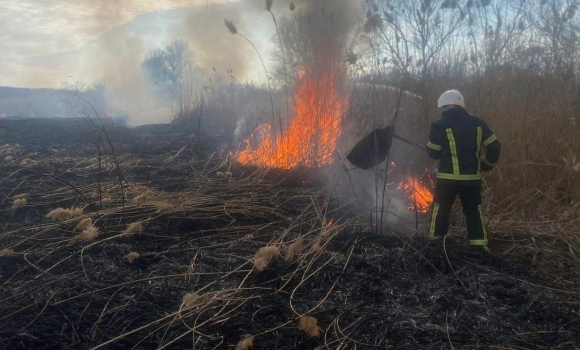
(374, 148)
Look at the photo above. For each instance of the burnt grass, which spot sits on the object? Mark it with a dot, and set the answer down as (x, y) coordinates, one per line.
(366, 290)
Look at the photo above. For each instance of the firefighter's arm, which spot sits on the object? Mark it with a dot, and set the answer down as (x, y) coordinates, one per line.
(493, 148)
(435, 141)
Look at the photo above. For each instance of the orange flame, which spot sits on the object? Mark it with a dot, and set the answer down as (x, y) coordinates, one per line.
(310, 139)
(419, 194)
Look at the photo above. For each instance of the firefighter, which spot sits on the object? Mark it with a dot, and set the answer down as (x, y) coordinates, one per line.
(465, 147)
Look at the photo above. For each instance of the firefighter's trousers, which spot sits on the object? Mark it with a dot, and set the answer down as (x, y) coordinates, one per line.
(444, 196)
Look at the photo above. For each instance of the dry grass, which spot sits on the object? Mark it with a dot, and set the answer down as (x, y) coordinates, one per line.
(20, 196)
(219, 174)
(132, 257)
(189, 300)
(6, 253)
(84, 224)
(141, 199)
(8, 159)
(133, 228)
(263, 257)
(88, 234)
(163, 207)
(77, 212)
(18, 203)
(294, 249)
(246, 343)
(59, 214)
(309, 325)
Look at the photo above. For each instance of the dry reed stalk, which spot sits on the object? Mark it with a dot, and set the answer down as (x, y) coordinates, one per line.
(6, 253)
(309, 325)
(132, 257)
(263, 257)
(18, 203)
(246, 343)
(132, 228)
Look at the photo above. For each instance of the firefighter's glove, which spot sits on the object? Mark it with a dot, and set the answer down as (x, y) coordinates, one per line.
(486, 167)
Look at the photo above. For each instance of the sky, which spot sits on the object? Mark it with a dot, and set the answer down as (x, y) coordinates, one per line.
(46, 42)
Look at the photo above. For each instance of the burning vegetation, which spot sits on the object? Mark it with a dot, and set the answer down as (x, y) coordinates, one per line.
(277, 240)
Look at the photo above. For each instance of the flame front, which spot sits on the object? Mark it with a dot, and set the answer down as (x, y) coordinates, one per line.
(310, 139)
(419, 194)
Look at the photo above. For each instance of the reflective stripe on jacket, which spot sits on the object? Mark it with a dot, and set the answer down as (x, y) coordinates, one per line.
(464, 144)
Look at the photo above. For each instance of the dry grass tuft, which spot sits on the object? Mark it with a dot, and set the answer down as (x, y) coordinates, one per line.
(189, 300)
(140, 200)
(84, 224)
(132, 228)
(20, 196)
(106, 199)
(309, 325)
(316, 247)
(133, 256)
(93, 160)
(163, 207)
(59, 214)
(76, 212)
(8, 159)
(89, 234)
(219, 174)
(6, 253)
(294, 249)
(18, 203)
(246, 343)
(264, 255)
(228, 176)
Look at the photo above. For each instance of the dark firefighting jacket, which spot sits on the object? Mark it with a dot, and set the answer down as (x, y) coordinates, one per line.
(464, 144)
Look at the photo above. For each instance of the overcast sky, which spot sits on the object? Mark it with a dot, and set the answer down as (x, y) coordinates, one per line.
(45, 42)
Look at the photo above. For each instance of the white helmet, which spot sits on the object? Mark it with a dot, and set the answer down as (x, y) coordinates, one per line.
(451, 97)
